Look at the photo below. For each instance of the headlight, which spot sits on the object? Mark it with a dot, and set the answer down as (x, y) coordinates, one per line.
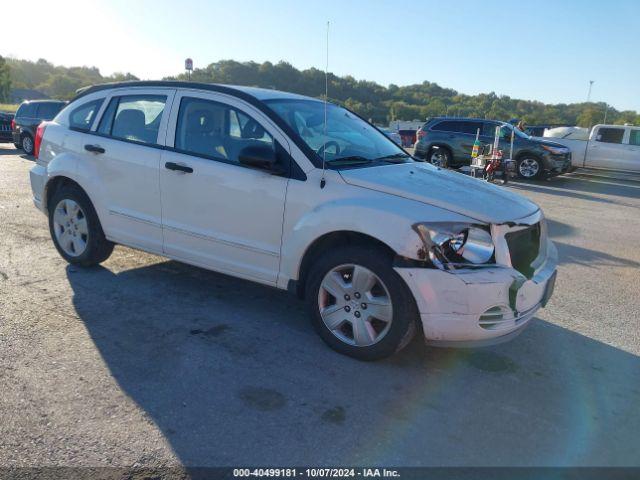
(451, 245)
(556, 150)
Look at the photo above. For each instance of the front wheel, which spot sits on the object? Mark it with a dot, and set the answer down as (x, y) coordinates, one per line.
(359, 305)
(440, 157)
(75, 228)
(529, 168)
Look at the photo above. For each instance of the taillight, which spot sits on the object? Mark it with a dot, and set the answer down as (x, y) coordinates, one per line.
(421, 134)
(13, 124)
(38, 141)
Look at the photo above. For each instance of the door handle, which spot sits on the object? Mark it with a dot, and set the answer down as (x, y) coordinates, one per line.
(178, 167)
(94, 148)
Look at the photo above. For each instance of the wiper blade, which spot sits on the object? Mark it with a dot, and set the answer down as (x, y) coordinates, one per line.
(394, 156)
(353, 160)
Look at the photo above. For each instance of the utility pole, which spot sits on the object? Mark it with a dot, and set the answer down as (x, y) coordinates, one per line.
(606, 107)
(589, 94)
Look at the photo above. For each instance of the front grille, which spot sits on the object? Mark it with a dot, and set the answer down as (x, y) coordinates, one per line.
(524, 246)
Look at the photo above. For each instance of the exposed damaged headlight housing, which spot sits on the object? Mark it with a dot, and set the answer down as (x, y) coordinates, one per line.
(556, 150)
(450, 245)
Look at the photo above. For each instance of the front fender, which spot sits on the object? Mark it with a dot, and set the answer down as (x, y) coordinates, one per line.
(385, 217)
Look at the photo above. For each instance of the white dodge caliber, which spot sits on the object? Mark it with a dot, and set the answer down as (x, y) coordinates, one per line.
(231, 179)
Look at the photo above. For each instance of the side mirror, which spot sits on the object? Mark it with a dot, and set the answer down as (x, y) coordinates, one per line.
(261, 157)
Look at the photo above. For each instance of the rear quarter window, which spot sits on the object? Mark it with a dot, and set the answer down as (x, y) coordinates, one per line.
(26, 110)
(81, 118)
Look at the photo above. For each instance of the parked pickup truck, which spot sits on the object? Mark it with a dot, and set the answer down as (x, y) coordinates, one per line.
(613, 147)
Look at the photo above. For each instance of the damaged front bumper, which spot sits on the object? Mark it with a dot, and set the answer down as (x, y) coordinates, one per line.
(480, 306)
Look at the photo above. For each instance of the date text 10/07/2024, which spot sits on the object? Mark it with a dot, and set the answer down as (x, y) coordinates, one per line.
(316, 472)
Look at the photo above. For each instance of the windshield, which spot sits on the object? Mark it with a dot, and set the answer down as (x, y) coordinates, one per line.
(349, 140)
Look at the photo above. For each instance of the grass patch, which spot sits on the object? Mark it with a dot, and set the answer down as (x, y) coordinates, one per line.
(9, 107)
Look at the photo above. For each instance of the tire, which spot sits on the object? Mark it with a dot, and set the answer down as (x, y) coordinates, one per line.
(530, 167)
(440, 157)
(77, 233)
(27, 144)
(377, 338)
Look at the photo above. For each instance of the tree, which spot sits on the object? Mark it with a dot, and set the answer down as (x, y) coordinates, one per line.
(5, 81)
(57, 81)
(368, 99)
(590, 117)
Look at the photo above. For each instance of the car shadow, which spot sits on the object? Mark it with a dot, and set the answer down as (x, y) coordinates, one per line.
(10, 151)
(232, 373)
(572, 254)
(559, 229)
(610, 192)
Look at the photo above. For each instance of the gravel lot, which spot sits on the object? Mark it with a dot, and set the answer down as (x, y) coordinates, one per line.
(149, 362)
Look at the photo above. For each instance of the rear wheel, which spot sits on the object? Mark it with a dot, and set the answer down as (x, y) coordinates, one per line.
(75, 228)
(359, 305)
(27, 144)
(529, 168)
(440, 157)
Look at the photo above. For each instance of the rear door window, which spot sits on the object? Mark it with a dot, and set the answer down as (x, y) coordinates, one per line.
(46, 111)
(448, 126)
(489, 129)
(634, 137)
(471, 127)
(610, 135)
(82, 117)
(135, 118)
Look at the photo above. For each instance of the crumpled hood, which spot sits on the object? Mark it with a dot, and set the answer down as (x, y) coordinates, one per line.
(550, 144)
(452, 191)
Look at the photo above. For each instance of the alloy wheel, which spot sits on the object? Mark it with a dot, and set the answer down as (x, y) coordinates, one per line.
(529, 168)
(438, 158)
(355, 305)
(70, 227)
(27, 144)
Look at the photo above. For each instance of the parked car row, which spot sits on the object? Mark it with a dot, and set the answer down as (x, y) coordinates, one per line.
(287, 191)
(27, 118)
(447, 142)
(5, 127)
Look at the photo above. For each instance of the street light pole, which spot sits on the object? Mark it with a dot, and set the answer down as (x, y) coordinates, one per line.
(589, 94)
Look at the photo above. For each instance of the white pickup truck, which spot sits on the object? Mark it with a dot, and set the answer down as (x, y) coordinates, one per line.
(613, 147)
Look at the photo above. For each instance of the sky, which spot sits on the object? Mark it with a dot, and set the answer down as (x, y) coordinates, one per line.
(536, 50)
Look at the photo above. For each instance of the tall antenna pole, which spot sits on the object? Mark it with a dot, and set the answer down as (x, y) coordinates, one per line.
(323, 182)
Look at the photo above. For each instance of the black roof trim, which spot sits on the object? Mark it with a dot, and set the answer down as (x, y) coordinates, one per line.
(212, 87)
